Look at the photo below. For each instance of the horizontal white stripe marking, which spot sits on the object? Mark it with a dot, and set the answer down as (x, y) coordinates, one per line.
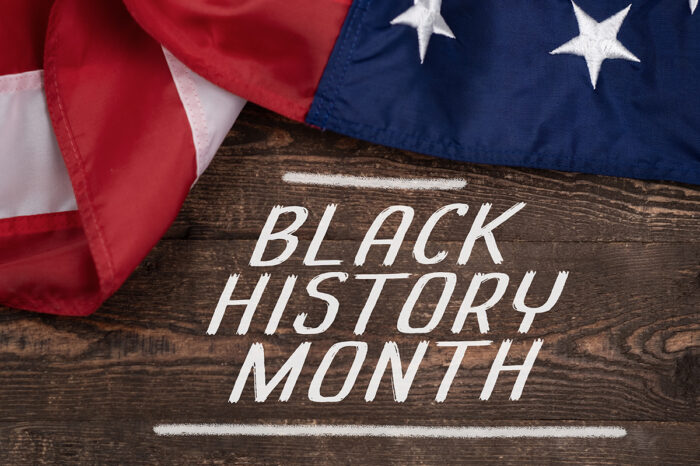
(374, 182)
(350, 430)
(33, 177)
(21, 81)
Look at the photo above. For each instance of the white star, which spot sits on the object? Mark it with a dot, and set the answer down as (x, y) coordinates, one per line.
(596, 41)
(693, 6)
(425, 16)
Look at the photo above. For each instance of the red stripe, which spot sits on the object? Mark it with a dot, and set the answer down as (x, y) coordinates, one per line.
(128, 147)
(45, 264)
(49, 271)
(29, 224)
(271, 52)
(22, 29)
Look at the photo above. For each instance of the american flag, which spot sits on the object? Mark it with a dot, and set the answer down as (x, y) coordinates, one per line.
(110, 110)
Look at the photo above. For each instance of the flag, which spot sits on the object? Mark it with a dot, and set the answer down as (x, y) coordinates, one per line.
(102, 133)
(587, 86)
(110, 110)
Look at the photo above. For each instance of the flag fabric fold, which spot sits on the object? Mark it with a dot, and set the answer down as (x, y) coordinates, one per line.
(111, 110)
(272, 52)
(133, 128)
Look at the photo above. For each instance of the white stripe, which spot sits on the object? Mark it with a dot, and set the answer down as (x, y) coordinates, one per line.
(29, 80)
(33, 177)
(210, 110)
(374, 182)
(350, 430)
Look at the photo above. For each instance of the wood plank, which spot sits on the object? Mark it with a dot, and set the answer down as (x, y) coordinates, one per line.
(236, 193)
(621, 344)
(621, 347)
(134, 443)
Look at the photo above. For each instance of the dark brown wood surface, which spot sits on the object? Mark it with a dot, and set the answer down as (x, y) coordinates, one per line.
(621, 348)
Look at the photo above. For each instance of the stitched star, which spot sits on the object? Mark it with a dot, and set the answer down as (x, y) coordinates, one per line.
(425, 16)
(693, 6)
(596, 41)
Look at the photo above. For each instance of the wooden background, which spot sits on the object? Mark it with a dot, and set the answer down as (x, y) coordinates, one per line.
(622, 347)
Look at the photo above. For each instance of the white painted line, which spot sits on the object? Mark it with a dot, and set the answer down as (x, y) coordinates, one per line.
(350, 430)
(374, 182)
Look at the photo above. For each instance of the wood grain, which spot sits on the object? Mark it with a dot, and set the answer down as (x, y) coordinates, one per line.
(622, 346)
(133, 443)
(234, 195)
